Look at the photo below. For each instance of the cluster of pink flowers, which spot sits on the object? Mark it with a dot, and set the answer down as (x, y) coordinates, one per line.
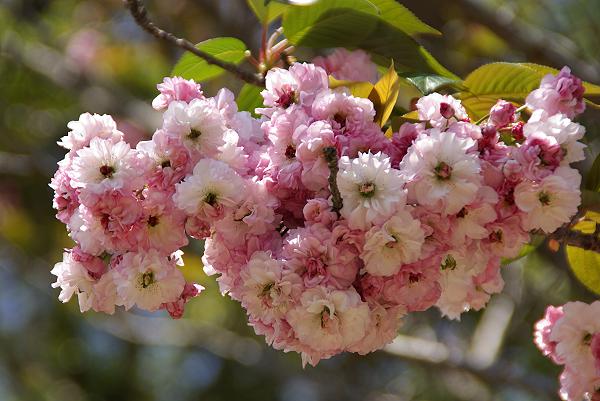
(427, 214)
(570, 335)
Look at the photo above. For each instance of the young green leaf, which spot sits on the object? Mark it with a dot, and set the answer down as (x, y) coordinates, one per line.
(249, 98)
(357, 89)
(508, 81)
(586, 264)
(402, 18)
(266, 11)
(384, 95)
(330, 23)
(190, 66)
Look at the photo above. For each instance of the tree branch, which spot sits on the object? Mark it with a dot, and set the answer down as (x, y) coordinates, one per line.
(567, 236)
(140, 15)
(332, 162)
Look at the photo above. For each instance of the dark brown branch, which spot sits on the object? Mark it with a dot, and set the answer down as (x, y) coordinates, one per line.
(140, 14)
(567, 236)
(332, 162)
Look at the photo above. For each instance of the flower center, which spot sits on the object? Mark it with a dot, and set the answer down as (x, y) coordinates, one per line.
(107, 171)
(367, 189)
(266, 290)
(544, 198)
(414, 277)
(495, 236)
(587, 339)
(194, 133)
(153, 221)
(147, 279)
(462, 213)
(449, 263)
(443, 171)
(290, 152)
(210, 198)
(287, 98)
(165, 164)
(340, 119)
(393, 242)
(325, 316)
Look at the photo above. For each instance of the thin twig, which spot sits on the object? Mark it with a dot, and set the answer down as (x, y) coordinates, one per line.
(140, 14)
(332, 162)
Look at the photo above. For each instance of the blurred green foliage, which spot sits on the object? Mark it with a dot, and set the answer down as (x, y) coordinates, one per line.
(61, 58)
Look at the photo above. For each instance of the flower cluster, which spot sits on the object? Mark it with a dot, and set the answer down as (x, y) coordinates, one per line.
(570, 336)
(426, 215)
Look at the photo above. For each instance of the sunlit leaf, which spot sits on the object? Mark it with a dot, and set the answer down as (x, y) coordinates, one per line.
(590, 89)
(265, 11)
(402, 18)
(509, 81)
(410, 117)
(586, 264)
(249, 98)
(357, 89)
(384, 95)
(190, 66)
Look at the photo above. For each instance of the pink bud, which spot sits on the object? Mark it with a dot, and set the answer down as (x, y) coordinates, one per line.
(446, 110)
(502, 114)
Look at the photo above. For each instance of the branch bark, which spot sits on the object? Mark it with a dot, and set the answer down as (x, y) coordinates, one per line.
(567, 236)
(140, 15)
(332, 162)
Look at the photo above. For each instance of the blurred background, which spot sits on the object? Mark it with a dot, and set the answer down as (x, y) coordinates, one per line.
(61, 58)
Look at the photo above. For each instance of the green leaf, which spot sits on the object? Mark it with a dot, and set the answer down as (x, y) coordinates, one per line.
(387, 42)
(428, 83)
(249, 98)
(330, 23)
(384, 95)
(357, 88)
(593, 179)
(590, 89)
(402, 18)
(508, 81)
(190, 66)
(586, 264)
(503, 80)
(266, 12)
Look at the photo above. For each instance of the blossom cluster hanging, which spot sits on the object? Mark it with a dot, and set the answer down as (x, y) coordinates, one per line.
(570, 335)
(327, 231)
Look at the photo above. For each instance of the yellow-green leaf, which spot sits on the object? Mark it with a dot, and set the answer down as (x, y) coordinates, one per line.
(384, 95)
(249, 98)
(357, 89)
(508, 81)
(266, 13)
(586, 264)
(402, 18)
(190, 66)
